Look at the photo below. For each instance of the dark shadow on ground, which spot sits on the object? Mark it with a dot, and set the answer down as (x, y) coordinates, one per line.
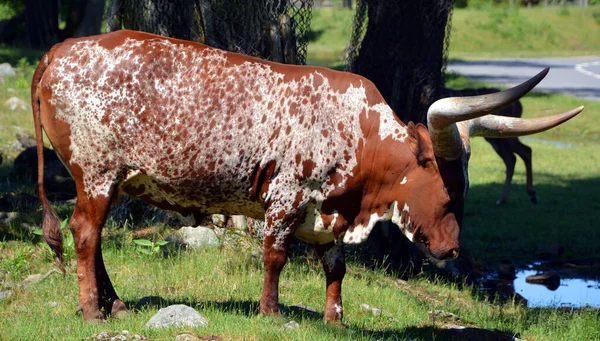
(299, 313)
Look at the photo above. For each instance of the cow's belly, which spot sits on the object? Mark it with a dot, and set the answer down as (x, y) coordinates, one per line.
(314, 229)
(191, 196)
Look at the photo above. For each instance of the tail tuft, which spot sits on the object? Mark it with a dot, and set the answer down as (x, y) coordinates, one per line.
(51, 227)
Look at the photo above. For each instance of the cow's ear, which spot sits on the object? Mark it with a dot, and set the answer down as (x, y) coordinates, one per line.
(420, 143)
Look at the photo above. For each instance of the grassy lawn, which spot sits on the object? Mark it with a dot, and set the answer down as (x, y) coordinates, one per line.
(225, 286)
(486, 33)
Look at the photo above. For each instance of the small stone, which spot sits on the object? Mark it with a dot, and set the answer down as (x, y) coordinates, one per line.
(6, 70)
(31, 279)
(186, 337)
(374, 311)
(15, 103)
(10, 90)
(198, 237)
(26, 140)
(6, 295)
(177, 315)
(7, 217)
(291, 325)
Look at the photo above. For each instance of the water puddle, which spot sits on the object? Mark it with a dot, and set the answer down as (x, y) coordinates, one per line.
(570, 292)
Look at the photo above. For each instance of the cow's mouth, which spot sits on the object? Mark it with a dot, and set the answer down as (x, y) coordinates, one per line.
(433, 253)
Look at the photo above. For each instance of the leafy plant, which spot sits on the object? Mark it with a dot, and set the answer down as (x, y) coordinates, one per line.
(148, 247)
(596, 15)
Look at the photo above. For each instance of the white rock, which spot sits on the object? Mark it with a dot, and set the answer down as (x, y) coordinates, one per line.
(197, 237)
(6, 70)
(291, 325)
(177, 315)
(15, 103)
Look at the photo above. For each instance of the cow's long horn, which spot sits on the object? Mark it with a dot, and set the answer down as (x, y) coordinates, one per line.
(444, 113)
(501, 126)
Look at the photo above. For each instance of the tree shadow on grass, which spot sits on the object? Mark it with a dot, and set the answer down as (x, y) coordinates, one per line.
(299, 313)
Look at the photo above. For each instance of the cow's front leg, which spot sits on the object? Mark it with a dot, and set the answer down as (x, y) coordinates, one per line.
(278, 234)
(332, 258)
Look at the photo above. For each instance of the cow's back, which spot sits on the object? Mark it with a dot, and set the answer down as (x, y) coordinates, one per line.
(181, 120)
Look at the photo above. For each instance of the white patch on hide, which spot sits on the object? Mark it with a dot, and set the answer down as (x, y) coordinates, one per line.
(397, 219)
(388, 124)
(313, 230)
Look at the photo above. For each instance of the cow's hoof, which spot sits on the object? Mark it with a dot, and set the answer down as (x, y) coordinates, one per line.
(333, 322)
(119, 310)
(94, 316)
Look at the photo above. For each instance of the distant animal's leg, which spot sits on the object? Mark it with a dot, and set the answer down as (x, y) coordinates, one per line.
(278, 234)
(86, 224)
(502, 147)
(525, 152)
(332, 258)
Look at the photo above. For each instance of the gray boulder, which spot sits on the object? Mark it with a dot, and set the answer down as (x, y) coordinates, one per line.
(6, 70)
(198, 237)
(15, 103)
(6, 295)
(178, 315)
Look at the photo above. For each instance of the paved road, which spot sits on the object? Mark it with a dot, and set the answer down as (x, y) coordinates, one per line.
(578, 76)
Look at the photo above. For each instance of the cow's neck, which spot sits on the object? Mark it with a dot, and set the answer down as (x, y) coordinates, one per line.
(386, 161)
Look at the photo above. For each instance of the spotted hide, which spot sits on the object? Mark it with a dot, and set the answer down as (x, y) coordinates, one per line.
(314, 152)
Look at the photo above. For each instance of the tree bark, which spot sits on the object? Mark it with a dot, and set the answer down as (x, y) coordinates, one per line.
(402, 52)
(84, 18)
(42, 22)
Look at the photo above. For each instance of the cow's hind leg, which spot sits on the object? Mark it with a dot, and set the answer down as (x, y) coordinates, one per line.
(95, 288)
(278, 234)
(524, 151)
(332, 258)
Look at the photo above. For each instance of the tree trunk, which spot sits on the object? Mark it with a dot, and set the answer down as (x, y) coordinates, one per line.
(348, 4)
(84, 18)
(42, 22)
(402, 52)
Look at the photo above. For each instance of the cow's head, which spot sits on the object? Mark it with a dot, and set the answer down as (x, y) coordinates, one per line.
(439, 182)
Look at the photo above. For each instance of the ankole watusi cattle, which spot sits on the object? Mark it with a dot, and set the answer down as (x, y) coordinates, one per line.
(316, 153)
(506, 148)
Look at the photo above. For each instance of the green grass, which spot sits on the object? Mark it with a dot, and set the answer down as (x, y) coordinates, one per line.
(526, 32)
(225, 286)
(481, 33)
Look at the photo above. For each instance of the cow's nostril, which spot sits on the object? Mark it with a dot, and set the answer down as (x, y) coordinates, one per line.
(454, 253)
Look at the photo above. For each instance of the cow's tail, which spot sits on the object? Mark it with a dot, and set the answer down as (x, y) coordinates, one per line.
(51, 226)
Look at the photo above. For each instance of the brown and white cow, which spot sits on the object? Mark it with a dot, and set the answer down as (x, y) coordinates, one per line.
(314, 152)
(506, 148)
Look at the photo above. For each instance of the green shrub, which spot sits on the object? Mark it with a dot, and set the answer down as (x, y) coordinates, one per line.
(596, 15)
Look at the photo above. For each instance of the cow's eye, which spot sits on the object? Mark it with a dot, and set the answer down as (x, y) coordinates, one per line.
(452, 195)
